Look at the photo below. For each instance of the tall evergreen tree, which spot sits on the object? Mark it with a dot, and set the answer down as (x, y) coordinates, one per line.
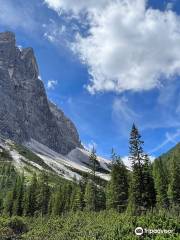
(136, 158)
(93, 163)
(142, 181)
(117, 189)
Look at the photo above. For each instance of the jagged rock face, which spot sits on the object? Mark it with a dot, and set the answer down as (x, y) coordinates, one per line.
(25, 111)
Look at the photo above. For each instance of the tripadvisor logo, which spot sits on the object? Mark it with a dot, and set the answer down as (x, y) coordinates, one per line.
(139, 231)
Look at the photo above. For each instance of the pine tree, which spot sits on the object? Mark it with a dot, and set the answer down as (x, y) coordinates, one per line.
(142, 197)
(117, 189)
(93, 163)
(136, 157)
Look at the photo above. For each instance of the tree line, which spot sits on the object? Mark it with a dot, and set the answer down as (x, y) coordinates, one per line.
(143, 187)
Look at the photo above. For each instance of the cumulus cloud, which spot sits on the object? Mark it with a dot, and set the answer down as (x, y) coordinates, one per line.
(51, 84)
(128, 46)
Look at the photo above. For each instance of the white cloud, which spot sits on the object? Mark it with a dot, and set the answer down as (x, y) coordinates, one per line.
(122, 109)
(53, 31)
(123, 115)
(169, 138)
(128, 46)
(51, 84)
(76, 6)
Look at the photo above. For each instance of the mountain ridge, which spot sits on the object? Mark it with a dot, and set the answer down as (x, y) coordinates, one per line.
(25, 111)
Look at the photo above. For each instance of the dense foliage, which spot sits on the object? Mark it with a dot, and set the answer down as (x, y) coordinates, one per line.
(105, 225)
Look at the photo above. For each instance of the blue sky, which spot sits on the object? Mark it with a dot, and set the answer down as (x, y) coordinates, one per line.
(107, 64)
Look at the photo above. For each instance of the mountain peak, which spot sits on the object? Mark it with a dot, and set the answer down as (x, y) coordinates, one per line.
(25, 112)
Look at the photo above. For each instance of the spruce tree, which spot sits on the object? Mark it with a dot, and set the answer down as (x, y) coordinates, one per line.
(93, 163)
(142, 194)
(136, 158)
(117, 189)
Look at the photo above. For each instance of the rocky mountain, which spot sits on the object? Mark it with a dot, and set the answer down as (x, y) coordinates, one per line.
(25, 111)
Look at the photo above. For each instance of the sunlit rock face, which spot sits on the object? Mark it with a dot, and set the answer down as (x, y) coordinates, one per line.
(25, 111)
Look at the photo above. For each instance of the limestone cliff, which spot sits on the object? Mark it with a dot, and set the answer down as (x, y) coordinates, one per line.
(25, 112)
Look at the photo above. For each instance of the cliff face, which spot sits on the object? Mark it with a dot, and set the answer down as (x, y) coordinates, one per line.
(25, 111)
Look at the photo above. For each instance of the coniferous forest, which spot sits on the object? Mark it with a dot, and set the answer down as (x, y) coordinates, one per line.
(44, 206)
